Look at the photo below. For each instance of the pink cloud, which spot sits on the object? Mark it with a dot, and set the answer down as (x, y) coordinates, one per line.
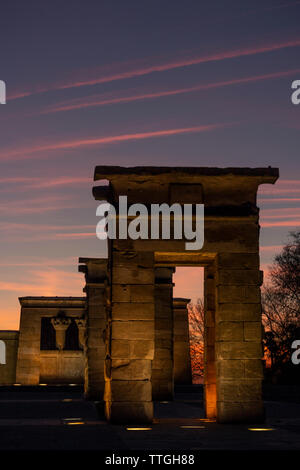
(272, 248)
(280, 212)
(41, 262)
(160, 67)
(45, 282)
(188, 282)
(73, 144)
(280, 199)
(11, 184)
(34, 232)
(39, 205)
(50, 282)
(102, 100)
(282, 223)
(280, 187)
(288, 213)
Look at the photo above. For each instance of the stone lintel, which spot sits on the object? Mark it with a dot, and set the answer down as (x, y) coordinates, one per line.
(226, 192)
(53, 302)
(266, 174)
(9, 334)
(180, 303)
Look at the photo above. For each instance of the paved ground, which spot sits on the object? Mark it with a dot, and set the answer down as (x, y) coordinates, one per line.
(58, 419)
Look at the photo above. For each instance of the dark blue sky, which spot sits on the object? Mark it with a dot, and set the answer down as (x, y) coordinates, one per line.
(135, 83)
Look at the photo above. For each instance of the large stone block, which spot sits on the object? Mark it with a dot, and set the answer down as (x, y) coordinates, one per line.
(144, 293)
(132, 311)
(133, 330)
(129, 391)
(129, 258)
(238, 350)
(238, 390)
(133, 349)
(238, 294)
(241, 412)
(238, 260)
(239, 312)
(230, 237)
(135, 369)
(230, 331)
(133, 275)
(133, 293)
(231, 369)
(253, 368)
(239, 277)
(252, 331)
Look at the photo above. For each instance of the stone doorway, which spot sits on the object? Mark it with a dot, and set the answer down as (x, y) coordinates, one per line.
(230, 255)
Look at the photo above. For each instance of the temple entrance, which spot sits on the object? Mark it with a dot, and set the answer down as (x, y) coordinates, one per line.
(189, 323)
(140, 286)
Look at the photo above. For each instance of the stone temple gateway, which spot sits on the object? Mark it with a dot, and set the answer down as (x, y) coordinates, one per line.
(132, 338)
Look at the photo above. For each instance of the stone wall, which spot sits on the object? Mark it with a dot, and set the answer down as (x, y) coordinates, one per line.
(130, 336)
(95, 270)
(8, 356)
(181, 343)
(162, 364)
(34, 365)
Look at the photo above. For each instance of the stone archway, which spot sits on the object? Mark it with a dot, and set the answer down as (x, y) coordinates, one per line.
(230, 255)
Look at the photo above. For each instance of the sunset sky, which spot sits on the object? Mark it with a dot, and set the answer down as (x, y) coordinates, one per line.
(183, 83)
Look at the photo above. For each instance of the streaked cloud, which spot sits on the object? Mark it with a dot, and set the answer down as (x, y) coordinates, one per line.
(21, 153)
(281, 223)
(39, 205)
(108, 99)
(142, 70)
(50, 282)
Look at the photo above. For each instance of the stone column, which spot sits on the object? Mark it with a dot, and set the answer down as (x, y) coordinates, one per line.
(128, 390)
(210, 393)
(81, 325)
(60, 324)
(238, 338)
(28, 362)
(162, 365)
(181, 344)
(95, 270)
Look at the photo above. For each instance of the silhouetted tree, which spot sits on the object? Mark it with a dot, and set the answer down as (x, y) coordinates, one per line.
(281, 307)
(196, 330)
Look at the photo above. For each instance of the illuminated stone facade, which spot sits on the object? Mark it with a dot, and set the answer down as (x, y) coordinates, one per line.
(132, 336)
(230, 256)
